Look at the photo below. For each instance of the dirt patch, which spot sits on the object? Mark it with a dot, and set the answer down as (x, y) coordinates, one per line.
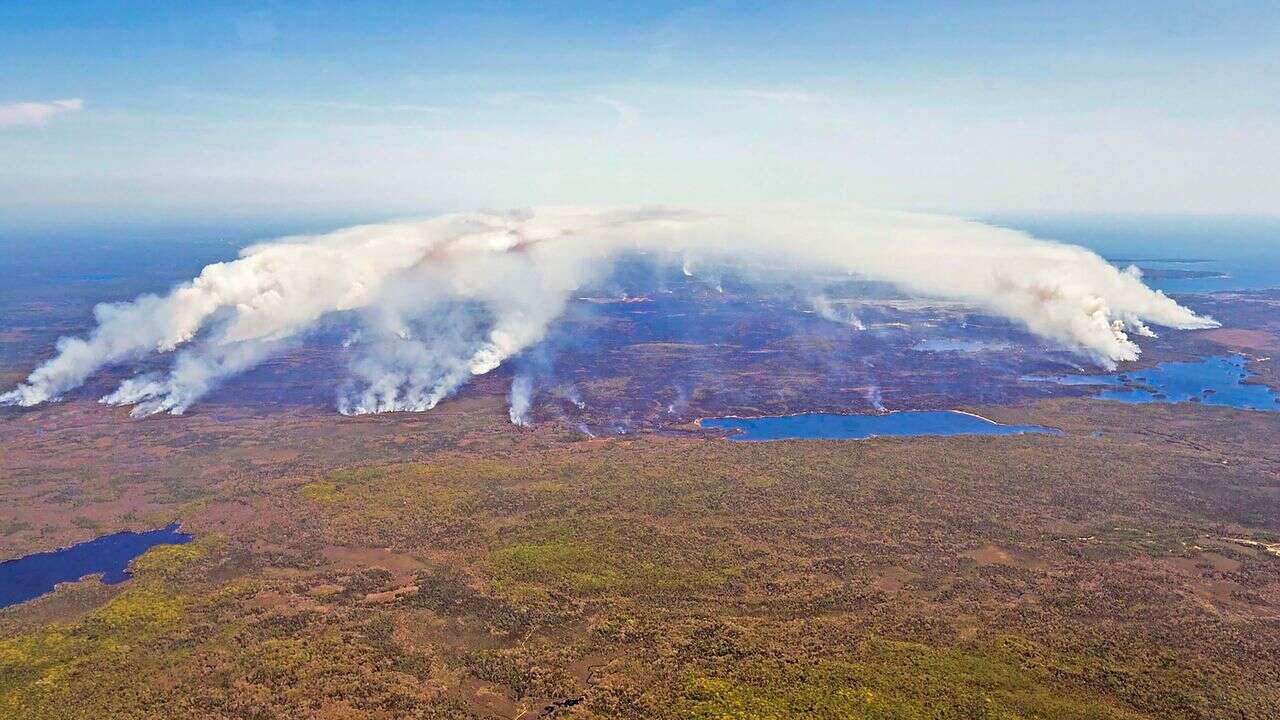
(355, 558)
(990, 555)
(1240, 338)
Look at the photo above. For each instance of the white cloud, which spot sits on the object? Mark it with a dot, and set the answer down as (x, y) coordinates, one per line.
(36, 113)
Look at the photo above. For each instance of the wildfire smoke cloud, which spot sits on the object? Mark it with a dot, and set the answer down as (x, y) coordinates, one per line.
(440, 300)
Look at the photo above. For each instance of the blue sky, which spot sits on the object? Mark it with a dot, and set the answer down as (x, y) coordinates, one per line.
(156, 111)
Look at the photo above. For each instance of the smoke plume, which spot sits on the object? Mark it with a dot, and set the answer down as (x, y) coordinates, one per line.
(828, 310)
(875, 399)
(441, 300)
(520, 400)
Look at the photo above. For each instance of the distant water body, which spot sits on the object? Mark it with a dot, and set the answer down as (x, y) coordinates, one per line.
(1211, 381)
(829, 426)
(1176, 252)
(31, 576)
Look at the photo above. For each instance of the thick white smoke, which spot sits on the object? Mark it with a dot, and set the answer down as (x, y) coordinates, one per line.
(443, 299)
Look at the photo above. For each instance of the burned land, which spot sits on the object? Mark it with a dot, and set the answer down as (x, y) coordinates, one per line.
(446, 564)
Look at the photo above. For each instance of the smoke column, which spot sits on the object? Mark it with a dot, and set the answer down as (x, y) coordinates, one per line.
(828, 311)
(520, 399)
(440, 300)
(875, 399)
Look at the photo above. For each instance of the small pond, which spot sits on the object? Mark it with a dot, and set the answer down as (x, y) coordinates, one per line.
(31, 576)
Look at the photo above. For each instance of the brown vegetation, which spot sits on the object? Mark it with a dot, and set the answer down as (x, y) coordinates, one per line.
(445, 565)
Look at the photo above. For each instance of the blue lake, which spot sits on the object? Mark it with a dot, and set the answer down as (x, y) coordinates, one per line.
(1211, 381)
(827, 426)
(31, 576)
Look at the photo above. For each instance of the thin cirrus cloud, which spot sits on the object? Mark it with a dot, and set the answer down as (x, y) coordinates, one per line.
(36, 114)
(780, 96)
